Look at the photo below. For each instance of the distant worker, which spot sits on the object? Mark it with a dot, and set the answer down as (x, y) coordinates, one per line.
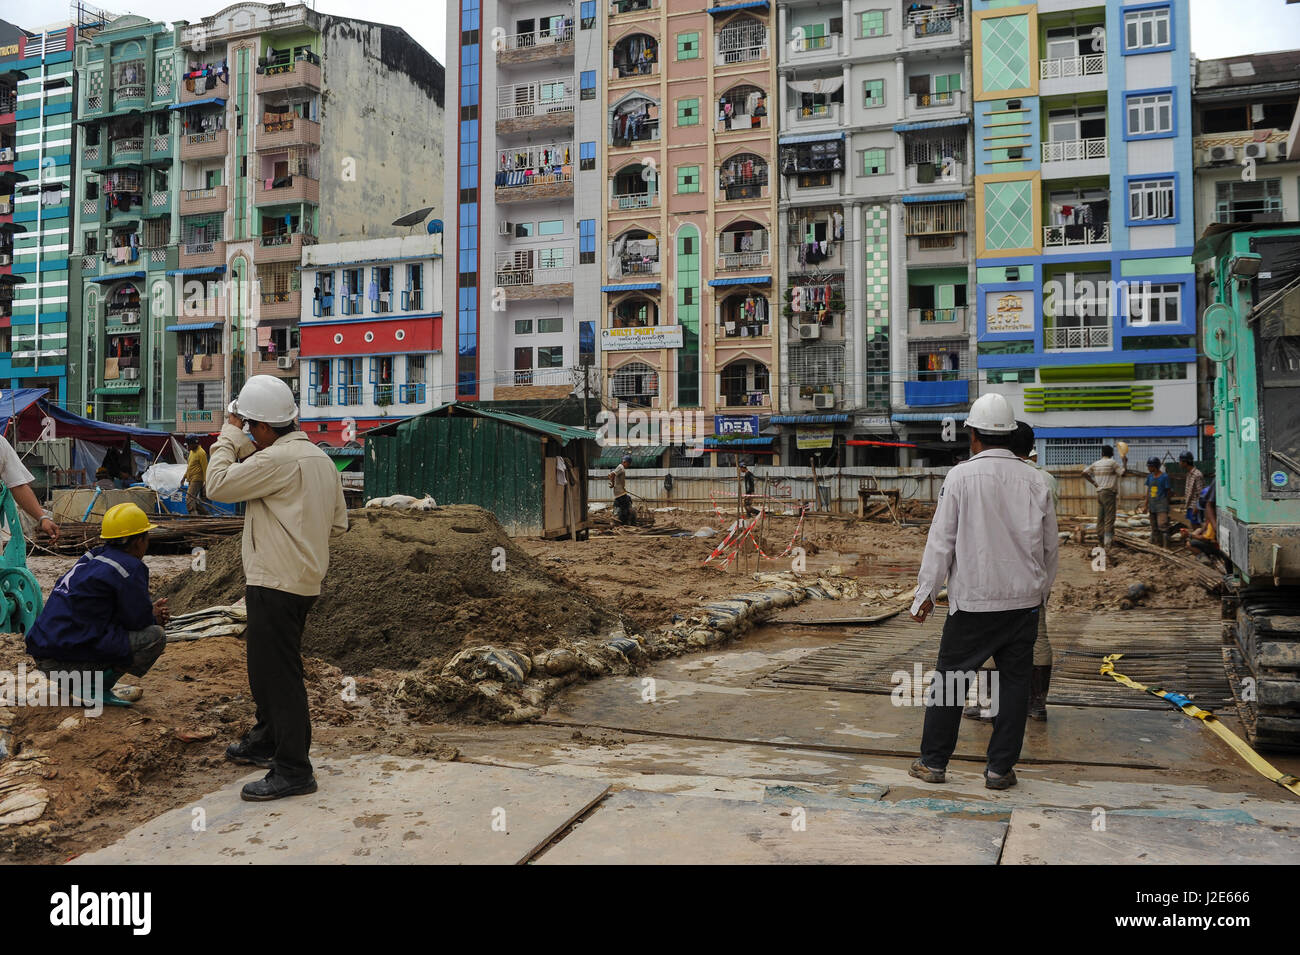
(1104, 475)
(1156, 501)
(1204, 539)
(196, 473)
(747, 477)
(1192, 487)
(622, 500)
(293, 500)
(993, 539)
(19, 480)
(100, 618)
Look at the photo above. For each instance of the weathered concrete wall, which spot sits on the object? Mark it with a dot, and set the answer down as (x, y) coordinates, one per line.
(382, 123)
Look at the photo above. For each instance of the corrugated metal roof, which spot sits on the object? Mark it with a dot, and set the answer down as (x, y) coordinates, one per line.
(748, 5)
(932, 124)
(717, 443)
(193, 327)
(565, 433)
(810, 419)
(809, 138)
(642, 456)
(209, 101)
(634, 287)
(120, 275)
(928, 416)
(937, 197)
(752, 280)
(1248, 70)
(202, 270)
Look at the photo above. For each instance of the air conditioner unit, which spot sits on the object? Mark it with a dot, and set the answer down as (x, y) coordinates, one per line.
(824, 401)
(1256, 150)
(505, 228)
(285, 362)
(130, 374)
(1221, 153)
(130, 318)
(5, 258)
(7, 154)
(808, 332)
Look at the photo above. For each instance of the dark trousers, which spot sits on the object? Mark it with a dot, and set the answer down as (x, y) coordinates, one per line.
(968, 640)
(146, 645)
(623, 507)
(274, 644)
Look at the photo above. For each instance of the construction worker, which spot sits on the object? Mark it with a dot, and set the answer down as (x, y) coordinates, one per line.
(99, 618)
(993, 539)
(1192, 487)
(1155, 502)
(196, 473)
(1104, 475)
(293, 499)
(618, 481)
(747, 477)
(19, 480)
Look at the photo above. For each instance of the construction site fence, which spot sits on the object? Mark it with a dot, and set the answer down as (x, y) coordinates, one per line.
(702, 488)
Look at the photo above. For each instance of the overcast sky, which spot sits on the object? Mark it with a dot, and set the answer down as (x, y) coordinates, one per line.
(1219, 27)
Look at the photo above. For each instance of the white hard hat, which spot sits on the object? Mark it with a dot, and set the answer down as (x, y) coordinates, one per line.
(267, 399)
(991, 412)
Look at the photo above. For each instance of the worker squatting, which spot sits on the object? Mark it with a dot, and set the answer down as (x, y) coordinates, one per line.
(624, 428)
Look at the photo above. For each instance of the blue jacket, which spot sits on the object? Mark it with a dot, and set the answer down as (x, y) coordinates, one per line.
(93, 606)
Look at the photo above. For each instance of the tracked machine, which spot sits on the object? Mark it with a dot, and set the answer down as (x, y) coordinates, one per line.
(1252, 334)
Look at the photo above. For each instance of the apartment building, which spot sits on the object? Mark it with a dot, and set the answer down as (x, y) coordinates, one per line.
(526, 116)
(875, 264)
(370, 334)
(36, 195)
(689, 318)
(267, 129)
(1084, 226)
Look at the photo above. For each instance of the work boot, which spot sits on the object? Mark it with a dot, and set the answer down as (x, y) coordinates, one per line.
(993, 781)
(273, 786)
(1040, 681)
(925, 773)
(248, 755)
(976, 712)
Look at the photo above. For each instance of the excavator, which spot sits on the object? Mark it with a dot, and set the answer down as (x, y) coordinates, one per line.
(1251, 332)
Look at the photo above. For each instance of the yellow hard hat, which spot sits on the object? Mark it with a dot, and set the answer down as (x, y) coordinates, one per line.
(124, 520)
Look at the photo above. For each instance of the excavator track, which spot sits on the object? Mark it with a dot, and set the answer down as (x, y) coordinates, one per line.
(1267, 634)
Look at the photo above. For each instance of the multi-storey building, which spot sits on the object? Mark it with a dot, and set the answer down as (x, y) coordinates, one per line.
(875, 161)
(123, 220)
(366, 355)
(689, 319)
(525, 116)
(37, 169)
(268, 129)
(1083, 222)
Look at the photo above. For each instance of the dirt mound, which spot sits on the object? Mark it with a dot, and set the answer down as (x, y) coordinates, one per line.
(405, 588)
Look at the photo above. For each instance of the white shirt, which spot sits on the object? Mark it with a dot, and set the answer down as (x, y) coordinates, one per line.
(12, 471)
(993, 537)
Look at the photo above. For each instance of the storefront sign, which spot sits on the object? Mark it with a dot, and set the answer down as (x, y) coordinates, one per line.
(819, 436)
(745, 425)
(872, 422)
(648, 338)
(1008, 312)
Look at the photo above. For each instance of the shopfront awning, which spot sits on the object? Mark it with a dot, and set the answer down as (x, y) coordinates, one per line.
(728, 444)
(634, 287)
(752, 280)
(194, 327)
(733, 7)
(204, 270)
(937, 197)
(811, 418)
(128, 390)
(932, 124)
(809, 138)
(118, 276)
(958, 416)
(208, 101)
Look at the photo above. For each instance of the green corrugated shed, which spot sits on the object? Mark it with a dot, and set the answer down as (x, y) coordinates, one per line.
(503, 462)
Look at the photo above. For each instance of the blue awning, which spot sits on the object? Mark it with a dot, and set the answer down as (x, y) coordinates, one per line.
(634, 287)
(749, 5)
(120, 275)
(809, 138)
(755, 280)
(209, 101)
(933, 124)
(929, 416)
(723, 444)
(194, 327)
(810, 419)
(204, 270)
(937, 197)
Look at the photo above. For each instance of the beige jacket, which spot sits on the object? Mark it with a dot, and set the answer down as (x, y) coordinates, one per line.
(294, 499)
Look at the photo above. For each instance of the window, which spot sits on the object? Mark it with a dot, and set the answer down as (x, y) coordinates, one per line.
(551, 259)
(551, 356)
(550, 227)
(523, 326)
(1150, 114)
(1237, 201)
(586, 156)
(382, 279)
(412, 392)
(872, 23)
(688, 112)
(874, 162)
(1147, 29)
(323, 295)
(586, 241)
(1151, 200)
(552, 92)
(688, 179)
(548, 326)
(1150, 304)
(873, 93)
(688, 46)
(413, 296)
(525, 230)
(587, 83)
(588, 12)
(1010, 376)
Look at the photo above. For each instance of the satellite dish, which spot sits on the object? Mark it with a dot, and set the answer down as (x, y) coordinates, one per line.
(435, 227)
(1220, 333)
(414, 218)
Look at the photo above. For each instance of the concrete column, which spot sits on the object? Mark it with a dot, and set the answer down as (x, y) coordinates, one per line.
(856, 317)
(898, 366)
(847, 93)
(900, 83)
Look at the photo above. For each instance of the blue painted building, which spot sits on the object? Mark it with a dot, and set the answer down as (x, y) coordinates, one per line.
(1085, 291)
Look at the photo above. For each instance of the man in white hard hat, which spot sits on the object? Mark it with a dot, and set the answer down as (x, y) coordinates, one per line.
(293, 500)
(993, 539)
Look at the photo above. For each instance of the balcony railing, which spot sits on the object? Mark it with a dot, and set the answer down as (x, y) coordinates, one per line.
(934, 100)
(525, 102)
(412, 300)
(129, 91)
(814, 45)
(529, 276)
(816, 114)
(729, 261)
(199, 248)
(939, 21)
(741, 45)
(534, 40)
(1071, 149)
(630, 6)
(134, 144)
(411, 393)
(1067, 235)
(1091, 64)
(1059, 338)
(634, 200)
(937, 316)
(320, 398)
(637, 265)
(349, 394)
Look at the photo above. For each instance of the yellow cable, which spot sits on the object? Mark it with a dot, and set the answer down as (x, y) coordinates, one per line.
(1211, 722)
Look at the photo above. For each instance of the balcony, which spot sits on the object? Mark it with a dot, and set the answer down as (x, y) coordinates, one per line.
(296, 189)
(128, 94)
(294, 75)
(130, 149)
(803, 48)
(921, 394)
(271, 365)
(942, 22)
(635, 265)
(281, 248)
(633, 57)
(1077, 338)
(1072, 236)
(532, 173)
(211, 367)
(282, 304)
(525, 275)
(526, 107)
(199, 421)
(1074, 150)
(741, 261)
(283, 133)
(936, 322)
(1072, 74)
(534, 47)
(746, 43)
(411, 393)
(161, 147)
(618, 7)
(634, 200)
(823, 114)
(195, 201)
(951, 175)
(206, 145)
(349, 394)
(200, 254)
(923, 106)
(199, 92)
